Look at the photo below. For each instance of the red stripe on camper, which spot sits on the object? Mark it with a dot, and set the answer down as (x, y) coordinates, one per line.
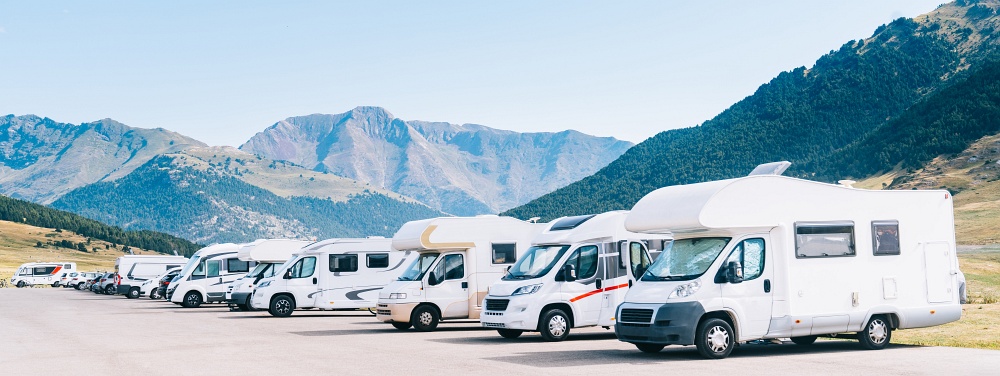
(598, 291)
(58, 268)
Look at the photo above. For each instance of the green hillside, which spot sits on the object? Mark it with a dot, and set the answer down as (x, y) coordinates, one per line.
(172, 196)
(804, 116)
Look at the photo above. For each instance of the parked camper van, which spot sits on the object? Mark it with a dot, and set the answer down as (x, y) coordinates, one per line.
(767, 257)
(132, 270)
(459, 258)
(331, 274)
(41, 273)
(207, 275)
(575, 275)
(269, 254)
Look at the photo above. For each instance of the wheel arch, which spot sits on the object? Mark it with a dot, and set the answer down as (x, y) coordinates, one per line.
(725, 315)
(566, 307)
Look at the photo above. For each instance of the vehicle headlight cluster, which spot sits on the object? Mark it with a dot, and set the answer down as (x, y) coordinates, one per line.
(525, 290)
(264, 284)
(685, 290)
(397, 295)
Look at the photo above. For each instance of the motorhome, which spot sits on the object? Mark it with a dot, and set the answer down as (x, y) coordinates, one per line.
(771, 257)
(269, 254)
(459, 258)
(41, 273)
(574, 275)
(205, 278)
(331, 274)
(131, 271)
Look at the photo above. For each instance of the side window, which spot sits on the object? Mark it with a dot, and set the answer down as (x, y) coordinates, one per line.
(504, 253)
(343, 263)
(235, 265)
(750, 254)
(68, 266)
(213, 267)
(585, 261)
(885, 237)
(377, 260)
(199, 271)
(834, 239)
(638, 259)
(303, 268)
(450, 267)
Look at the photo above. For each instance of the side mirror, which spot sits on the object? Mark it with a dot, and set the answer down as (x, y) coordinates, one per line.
(569, 273)
(288, 274)
(734, 272)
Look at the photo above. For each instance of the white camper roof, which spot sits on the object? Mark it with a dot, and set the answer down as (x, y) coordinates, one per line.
(608, 226)
(768, 201)
(270, 250)
(217, 248)
(348, 244)
(461, 232)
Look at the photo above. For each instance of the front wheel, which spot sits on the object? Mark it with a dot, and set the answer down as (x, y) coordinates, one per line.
(425, 318)
(192, 300)
(554, 325)
(133, 293)
(154, 294)
(401, 325)
(510, 333)
(876, 334)
(806, 340)
(79, 286)
(649, 348)
(20, 284)
(715, 339)
(281, 306)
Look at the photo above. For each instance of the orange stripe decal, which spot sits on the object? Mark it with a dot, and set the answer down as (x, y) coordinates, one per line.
(598, 291)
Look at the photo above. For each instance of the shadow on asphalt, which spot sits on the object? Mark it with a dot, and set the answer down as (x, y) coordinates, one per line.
(387, 329)
(525, 338)
(243, 315)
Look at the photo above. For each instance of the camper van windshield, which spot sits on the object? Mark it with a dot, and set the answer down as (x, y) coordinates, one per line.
(685, 259)
(266, 268)
(191, 263)
(419, 266)
(536, 262)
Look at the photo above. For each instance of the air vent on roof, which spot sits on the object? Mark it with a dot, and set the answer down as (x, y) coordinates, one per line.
(570, 223)
(773, 168)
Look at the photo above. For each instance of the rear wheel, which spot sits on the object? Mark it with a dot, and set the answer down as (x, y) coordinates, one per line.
(715, 339)
(401, 325)
(192, 300)
(876, 334)
(109, 290)
(425, 318)
(133, 293)
(806, 340)
(510, 333)
(649, 348)
(281, 306)
(554, 325)
(154, 294)
(79, 286)
(20, 284)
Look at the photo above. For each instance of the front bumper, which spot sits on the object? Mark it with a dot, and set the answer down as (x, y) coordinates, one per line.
(670, 323)
(240, 298)
(516, 314)
(394, 312)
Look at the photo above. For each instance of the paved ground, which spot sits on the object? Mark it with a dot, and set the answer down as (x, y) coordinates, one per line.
(46, 331)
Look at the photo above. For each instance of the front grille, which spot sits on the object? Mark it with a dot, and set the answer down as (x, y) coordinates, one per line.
(636, 315)
(634, 325)
(384, 312)
(497, 304)
(382, 305)
(488, 313)
(494, 325)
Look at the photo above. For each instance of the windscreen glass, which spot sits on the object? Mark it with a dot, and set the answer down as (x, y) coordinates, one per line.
(419, 266)
(536, 262)
(191, 263)
(685, 259)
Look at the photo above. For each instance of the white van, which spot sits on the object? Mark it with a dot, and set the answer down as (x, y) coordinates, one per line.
(205, 278)
(768, 257)
(459, 258)
(269, 254)
(331, 274)
(132, 270)
(575, 275)
(41, 273)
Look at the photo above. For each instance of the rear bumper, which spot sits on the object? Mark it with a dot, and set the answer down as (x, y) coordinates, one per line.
(123, 289)
(671, 324)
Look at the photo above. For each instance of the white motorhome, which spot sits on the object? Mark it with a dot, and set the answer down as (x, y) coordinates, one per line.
(41, 273)
(205, 278)
(131, 271)
(459, 258)
(269, 254)
(769, 257)
(574, 275)
(331, 274)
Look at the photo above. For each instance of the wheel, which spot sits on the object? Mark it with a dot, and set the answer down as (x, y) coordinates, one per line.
(192, 300)
(154, 294)
(133, 293)
(510, 333)
(55, 284)
(876, 334)
(806, 340)
(714, 339)
(425, 318)
(554, 325)
(649, 348)
(281, 306)
(79, 286)
(109, 290)
(401, 325)
(20, 284)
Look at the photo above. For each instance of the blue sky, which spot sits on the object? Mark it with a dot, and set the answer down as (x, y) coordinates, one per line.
(221, 71)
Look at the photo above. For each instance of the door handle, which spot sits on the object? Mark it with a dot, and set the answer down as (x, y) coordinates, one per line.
(465, 285)
(220, 279)
(767, 285)
(314, 280)
(599, 283)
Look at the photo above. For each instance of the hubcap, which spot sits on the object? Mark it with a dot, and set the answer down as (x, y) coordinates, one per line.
(283, 306)
(425, 318)
(718, 339)
(877, 331)
(192, 300)
(557, 325)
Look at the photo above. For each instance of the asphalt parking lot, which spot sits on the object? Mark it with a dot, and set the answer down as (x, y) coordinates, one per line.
(46, 331)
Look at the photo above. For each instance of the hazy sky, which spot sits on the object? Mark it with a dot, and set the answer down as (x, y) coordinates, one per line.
(222, 71)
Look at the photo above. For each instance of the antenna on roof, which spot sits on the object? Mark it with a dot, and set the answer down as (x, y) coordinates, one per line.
(534, 219)
(773, 168)
(175, 253)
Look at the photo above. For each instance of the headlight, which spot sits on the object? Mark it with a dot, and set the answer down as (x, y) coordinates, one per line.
(397, 295)
(685, 290)
(264, 284)
(525, 290)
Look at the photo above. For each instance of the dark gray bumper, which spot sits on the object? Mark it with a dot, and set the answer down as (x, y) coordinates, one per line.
(123, 289)
(673, 324)
(240, 298)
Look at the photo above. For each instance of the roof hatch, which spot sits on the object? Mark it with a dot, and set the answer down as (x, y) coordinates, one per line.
(570, 223)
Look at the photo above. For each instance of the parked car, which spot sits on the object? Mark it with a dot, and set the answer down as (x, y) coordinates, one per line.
(151, 287)
(106, 285)
(164, 282)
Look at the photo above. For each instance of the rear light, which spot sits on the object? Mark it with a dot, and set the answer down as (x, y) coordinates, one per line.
(166, 283)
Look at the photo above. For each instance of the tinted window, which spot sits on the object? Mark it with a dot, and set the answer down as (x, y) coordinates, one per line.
(824, 240)
(304, 268)
(451, 267)
(44, 270)
(343, 263)
(504, 253)
(213, 267)
(377, 260)
(585, 261)
(235, 265)
(885, 237)
(750, 254)
(569, 223)
(199, 271)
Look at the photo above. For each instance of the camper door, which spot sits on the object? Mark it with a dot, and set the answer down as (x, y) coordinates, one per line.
(581, 276)
(338, 279)
(750, 295)
(448, 285)
(302, 280)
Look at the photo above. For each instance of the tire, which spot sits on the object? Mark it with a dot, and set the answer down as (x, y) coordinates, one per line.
(192, 300)
(154, 294)
(804, 341)
(715, 338)
(401, 325)
(20, 284)
(555, 325)
(425, 318)
(876, 334)
(510, 333)
(281, 306)
(79, 286)
(109, 290)
(55, 284)
(133, 293)
(649, 348)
